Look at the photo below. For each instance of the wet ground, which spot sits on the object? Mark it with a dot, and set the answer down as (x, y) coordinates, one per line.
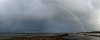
(85, 36)
(52, 36)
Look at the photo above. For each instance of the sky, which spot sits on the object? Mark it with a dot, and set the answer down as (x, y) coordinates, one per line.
(49, 16)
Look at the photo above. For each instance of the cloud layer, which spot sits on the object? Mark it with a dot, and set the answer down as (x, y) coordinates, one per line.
(48, 16)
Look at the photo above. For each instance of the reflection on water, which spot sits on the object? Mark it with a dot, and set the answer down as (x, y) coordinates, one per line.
(95, 38)
(82, 37)
(90, 38)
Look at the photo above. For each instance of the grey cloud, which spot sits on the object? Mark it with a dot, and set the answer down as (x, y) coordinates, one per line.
(96, 4)
(45, 16)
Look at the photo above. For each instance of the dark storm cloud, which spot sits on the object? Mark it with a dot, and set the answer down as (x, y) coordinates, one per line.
(45, 15)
